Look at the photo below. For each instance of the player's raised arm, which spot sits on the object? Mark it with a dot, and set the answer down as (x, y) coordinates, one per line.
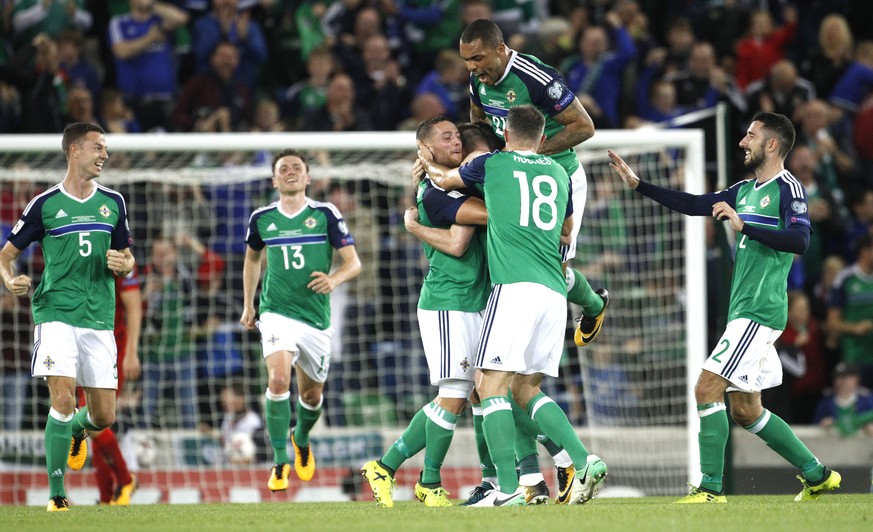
(578, 127)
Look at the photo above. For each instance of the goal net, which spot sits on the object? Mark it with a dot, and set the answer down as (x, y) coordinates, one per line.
(183, 426)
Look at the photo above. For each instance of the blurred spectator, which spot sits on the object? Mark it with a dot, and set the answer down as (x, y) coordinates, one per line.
(80, 106)
(425, 105)
(657, 103)
(237, 418)
(15, 375)
(340, 112)
(32, 17)
(348, 48)
(803, 364)
(695, 84)
(215, 101)
(47, 98)
(553, 42)
(10, 108)
(763, 46)
(821, 293)
(450, 82)
(723, 23)
(167, 351)
(431, 26)
(310, 94)
(857, 80)
(849, 407)
(862, 137)
(115, 116)
(782, 91)
(267, 120)
(860, 219)
(680, 40)
(225, 23)
(817, 128)
(851, 310)
(824, 65)
(382, 89)
(599, 70)
(80, 73)
(144, 60)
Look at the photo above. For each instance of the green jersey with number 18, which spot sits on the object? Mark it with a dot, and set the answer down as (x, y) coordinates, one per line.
(298, 244)
(528, 197)
(76, 287)
(527, 80)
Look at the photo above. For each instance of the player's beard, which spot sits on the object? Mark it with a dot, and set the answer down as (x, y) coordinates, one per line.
(755, 160)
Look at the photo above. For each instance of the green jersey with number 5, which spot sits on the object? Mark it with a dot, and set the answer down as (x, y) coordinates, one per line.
(527, 80)
(76, 287)
(528, 197)
(298, 244)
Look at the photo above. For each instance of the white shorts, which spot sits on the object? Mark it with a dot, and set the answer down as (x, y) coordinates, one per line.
(523, 330)
(745, 356)
(450, 338)
(310, 346)
(579, 192)
(88, 355)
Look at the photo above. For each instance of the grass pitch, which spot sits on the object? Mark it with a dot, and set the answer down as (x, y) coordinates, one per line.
(779, 513)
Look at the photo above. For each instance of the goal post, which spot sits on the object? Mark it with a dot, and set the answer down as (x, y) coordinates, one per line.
(630, 394)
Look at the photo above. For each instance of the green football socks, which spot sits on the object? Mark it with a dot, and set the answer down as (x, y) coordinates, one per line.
(408, 444)
(439, 429)
(489, 472)
(306, 418)
(778, 436)
(581, 293)
(58, 434)
(278, 415)
(553, 422)
(712, 439)
(81, 422)
(499, 429)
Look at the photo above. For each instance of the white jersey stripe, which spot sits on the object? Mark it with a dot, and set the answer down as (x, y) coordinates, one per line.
(533, 69)
(537, 75)
(33, 201)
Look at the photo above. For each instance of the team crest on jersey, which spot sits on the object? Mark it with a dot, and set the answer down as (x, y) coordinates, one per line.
(555, 91)
(765, 201)
(309, 222)
(510, 95)
(798, 206)
(104, 211)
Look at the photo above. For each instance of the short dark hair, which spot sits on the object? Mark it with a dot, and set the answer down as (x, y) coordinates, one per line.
(478, 135)
(75, 132)
(425, 128)
(864, 241)
(289, 152)
(487, 31)
(525, 121)
(780, 127)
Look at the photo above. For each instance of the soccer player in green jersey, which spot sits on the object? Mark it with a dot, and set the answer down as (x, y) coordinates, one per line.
(300, 236)
(527, 196)
(769, 214)
(450, 307)
(500, 79)
(83, 231)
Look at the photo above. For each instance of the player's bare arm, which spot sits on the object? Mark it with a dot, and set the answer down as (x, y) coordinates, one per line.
(17, 284)
(120, 262)
(251, 276)
(578, 127)
(838, 325)
(477, 114)
(567, 231)
(453, 241)
(323, 283)
(624, 171)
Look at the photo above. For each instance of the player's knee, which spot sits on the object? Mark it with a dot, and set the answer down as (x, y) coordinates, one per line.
(311, 398)
(453, 394)
(279, 384)
(102, 419)
(745, 414)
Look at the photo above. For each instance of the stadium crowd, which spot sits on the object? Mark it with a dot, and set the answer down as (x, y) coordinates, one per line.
(380, 65)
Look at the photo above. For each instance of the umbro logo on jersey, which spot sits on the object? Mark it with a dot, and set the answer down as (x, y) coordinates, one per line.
(271, 227)
(61, 214)
(742, 202)
(496, 360)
